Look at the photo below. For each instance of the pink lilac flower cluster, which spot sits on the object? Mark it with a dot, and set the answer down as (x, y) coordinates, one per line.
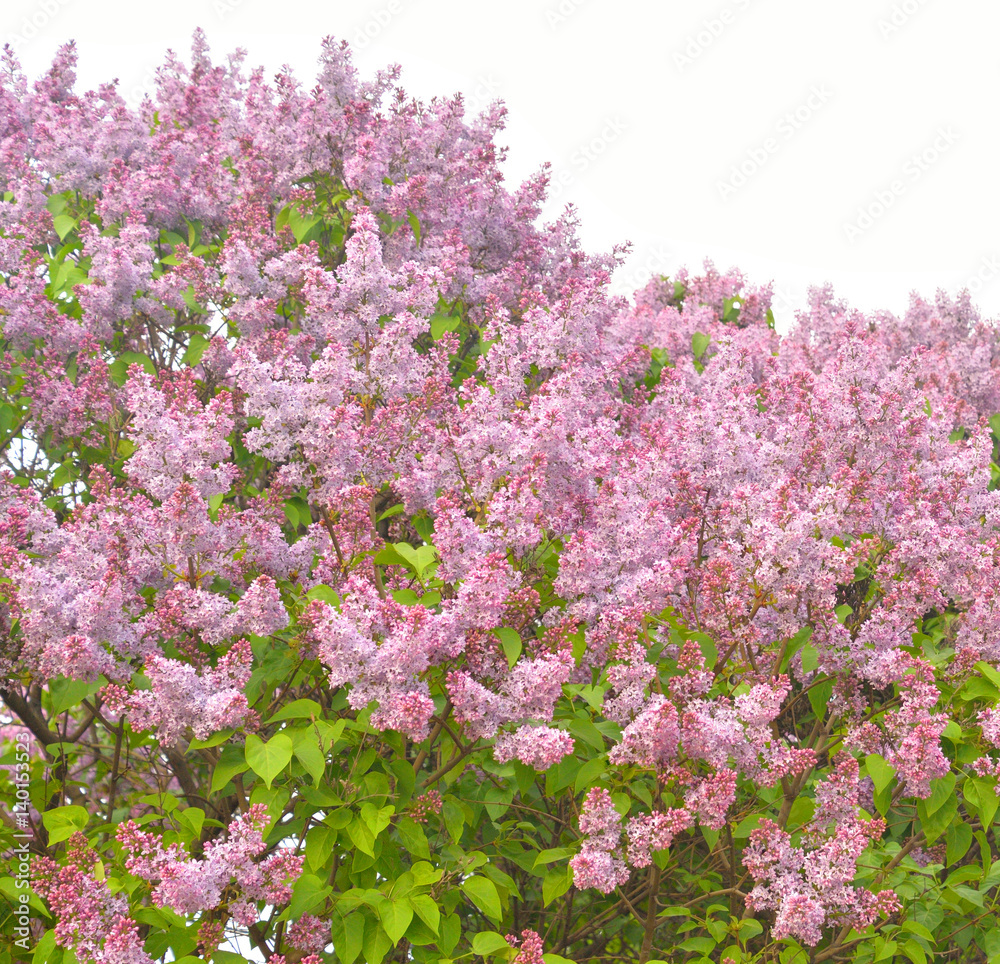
(181, 698)
(810, 886)
(537, 746)
(599, 864)
(654, 831)
(741, 484)
(723, 487)
(989, 721)
(309, 934)
(90, 921)
(917, 754)
(529, 947)
(188, 885)
(424, 805)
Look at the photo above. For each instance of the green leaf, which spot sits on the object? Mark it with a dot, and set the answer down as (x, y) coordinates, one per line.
(63, 224)
(746, 825)
(376, 818)
(486, 943)
(376, 945)
(701, 944)
(551, 856)
(165, 802)
(914, 927)
(942, 789)
(483, 893)
(882, 773)
(425, 873)
(214, 740)
(268, 759)
(589, 773)
(978, 688)
(414, 225)
(304, 228)
(354, 933)
(982, 793)
(699, 343)
(298, 710)
(137, 358)
(934, 824)
(309, 892)
(231, 761)
(958, 840)
(454, 819)
(362, 836)
(413, 838)
(440, 323)
(418, 559)
(989, 672)
(306, 745)
(586, 730)
(397, 509)
(192, 302)
(810, 658)
(63, 822)
(842, 612)
(511, 643)
(56, 203)
(192, 819)
(498, 799)
(396, 916)
(195, 349)
(819, 696)
(556, 884)
(324, 594)
(297, 512)
(45, 948)
(802, 811)
(65, 693)
(427, 910)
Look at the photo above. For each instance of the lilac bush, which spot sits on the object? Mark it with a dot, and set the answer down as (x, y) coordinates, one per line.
(378, 586)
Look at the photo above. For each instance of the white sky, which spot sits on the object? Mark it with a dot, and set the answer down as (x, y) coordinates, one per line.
(647, 110)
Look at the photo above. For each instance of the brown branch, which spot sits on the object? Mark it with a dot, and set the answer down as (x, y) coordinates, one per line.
(114, 770)
(450, 765)
(30, 716)
(650, 923)
(180, 770)
(422, 755)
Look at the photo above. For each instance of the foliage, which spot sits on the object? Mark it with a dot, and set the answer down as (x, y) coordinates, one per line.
(376, 586)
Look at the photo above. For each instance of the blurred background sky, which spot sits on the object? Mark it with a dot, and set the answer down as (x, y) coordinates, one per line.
(803, 142)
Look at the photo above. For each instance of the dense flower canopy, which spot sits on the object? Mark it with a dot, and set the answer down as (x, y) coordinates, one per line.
(320, 449)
